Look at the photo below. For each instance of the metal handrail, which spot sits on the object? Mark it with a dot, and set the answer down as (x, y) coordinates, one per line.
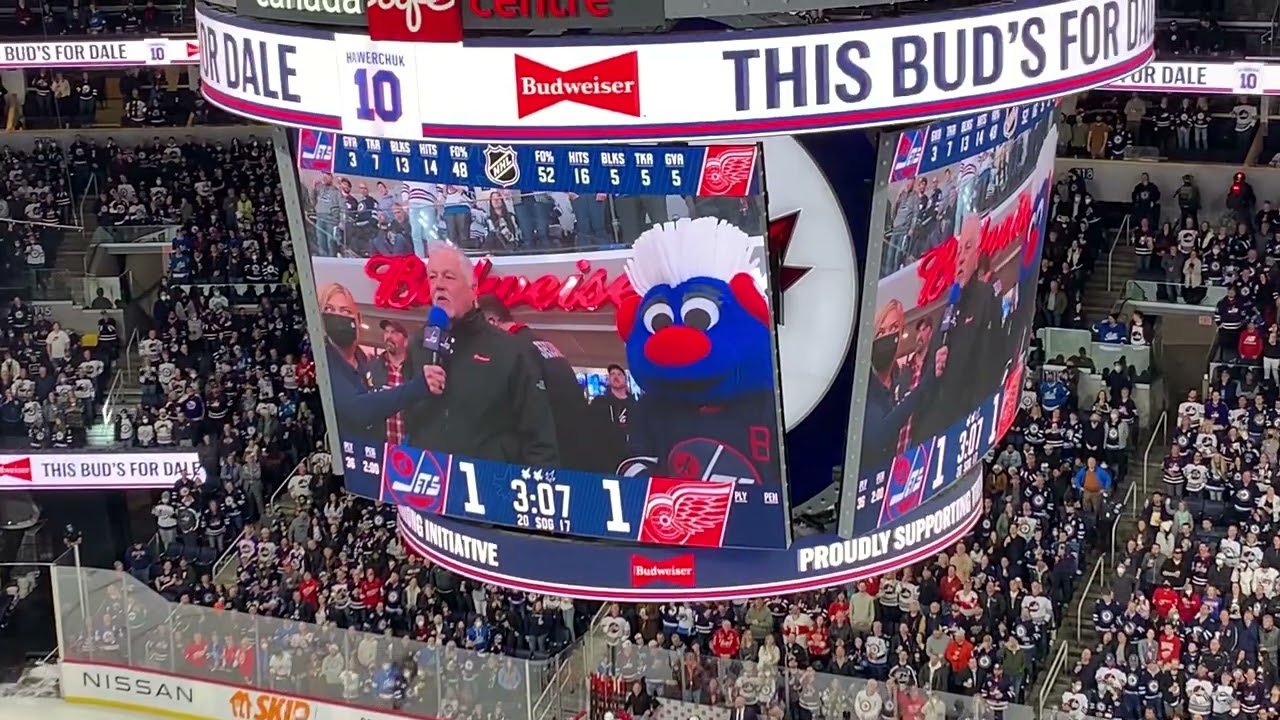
(111, 393)
(1129, 496)
(233, 548)
(1097, 572)
(1163, 422)
(134, 338)
(1059, 661)
(1122, 231)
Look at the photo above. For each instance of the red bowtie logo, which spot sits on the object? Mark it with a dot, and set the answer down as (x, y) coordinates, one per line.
(17, 470)
(612, 84)
(674, 571)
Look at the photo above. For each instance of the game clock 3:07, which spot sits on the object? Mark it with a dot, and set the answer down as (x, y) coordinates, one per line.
(584, 504)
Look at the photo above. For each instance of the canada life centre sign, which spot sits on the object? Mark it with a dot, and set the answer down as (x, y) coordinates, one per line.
(691, 86)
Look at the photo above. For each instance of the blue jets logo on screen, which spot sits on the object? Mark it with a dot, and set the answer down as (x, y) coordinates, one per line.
(905, 489)
(906, 160)
(315, 150)
(414, 478)
(707, 459)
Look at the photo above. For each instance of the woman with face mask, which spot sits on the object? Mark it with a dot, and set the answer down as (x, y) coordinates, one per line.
(364, 406)
(889, 406)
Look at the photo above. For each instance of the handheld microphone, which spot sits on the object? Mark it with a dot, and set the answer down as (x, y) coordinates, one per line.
(435, 336)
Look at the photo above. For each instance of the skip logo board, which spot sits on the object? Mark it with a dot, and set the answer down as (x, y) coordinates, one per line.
(247, 705)
(501, 166)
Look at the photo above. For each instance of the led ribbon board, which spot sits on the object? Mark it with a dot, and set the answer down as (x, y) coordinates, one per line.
(672, 87)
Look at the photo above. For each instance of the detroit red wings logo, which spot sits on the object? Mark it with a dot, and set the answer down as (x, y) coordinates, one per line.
(727, 170)
(686, 512)
(1009, 401)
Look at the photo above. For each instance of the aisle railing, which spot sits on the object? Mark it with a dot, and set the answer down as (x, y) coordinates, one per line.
(1121, 232)
(1162, 425)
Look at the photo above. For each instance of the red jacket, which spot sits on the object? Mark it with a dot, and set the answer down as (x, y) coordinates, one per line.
(1164, 600)
(958, 654)
(725, 643)
(1188, 606)
(1170, 648)
(1250, 345)
(950, 585)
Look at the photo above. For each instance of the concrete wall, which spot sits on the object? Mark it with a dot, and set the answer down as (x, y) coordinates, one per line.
(1113, 181)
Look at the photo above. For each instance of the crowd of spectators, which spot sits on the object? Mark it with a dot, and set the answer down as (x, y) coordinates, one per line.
(51, 380)
(73, 17)
(976, 620)
(212, 189)
(149, 97)
(1114, 126)
(1187, 622)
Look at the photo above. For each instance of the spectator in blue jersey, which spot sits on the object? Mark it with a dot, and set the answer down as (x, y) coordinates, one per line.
(1111, 330)
(1054, 392)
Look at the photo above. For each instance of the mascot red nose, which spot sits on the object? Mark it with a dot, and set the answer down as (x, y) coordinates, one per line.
(699, 345)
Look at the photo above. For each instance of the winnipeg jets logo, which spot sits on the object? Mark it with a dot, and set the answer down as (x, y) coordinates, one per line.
(680, 512)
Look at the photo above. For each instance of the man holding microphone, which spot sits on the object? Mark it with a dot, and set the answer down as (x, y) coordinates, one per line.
(492, 400)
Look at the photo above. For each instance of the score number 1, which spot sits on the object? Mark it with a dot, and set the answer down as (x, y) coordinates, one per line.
(617, 522)
(378, 96)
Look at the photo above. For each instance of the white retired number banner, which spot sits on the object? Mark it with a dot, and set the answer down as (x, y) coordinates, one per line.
(89, 54)
(1224, 78)
(97, 471)
(674, 86)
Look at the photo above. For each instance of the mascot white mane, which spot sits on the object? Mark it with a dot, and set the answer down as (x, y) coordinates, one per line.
(672, 252)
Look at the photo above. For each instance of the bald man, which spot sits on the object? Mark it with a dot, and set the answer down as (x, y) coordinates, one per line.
(494, 404)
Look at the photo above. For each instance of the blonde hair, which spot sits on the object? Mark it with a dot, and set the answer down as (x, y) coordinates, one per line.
(893, 306)
(328, 291)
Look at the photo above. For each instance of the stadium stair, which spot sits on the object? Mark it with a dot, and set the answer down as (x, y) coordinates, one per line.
(1082, 613)
(1098, 299)
(282, 509)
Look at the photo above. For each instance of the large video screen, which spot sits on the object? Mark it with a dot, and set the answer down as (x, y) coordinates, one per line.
(953, 307)
(571, 341)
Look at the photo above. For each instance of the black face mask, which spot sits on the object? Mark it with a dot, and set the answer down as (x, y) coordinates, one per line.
(340, 329)
(883, 351)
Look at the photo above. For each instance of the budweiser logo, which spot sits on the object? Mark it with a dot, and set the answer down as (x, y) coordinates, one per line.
(612, 84)
(403, 20)
(17, 470)
(402, 283)
(675, 571)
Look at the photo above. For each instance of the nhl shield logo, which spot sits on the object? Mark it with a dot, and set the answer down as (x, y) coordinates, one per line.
(501, 166)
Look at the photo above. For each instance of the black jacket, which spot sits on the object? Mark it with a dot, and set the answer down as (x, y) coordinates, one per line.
(977, 354)
(495, 404)
(568, 403)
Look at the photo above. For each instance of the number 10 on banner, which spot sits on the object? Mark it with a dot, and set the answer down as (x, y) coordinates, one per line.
(378, 100)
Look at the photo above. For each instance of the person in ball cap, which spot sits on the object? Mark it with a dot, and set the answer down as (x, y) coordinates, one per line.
(568, 406)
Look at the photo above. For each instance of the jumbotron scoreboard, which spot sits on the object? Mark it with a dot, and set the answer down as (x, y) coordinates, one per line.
(725, 496)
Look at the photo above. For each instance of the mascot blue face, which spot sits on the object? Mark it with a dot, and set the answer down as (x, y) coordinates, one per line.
(704, 340)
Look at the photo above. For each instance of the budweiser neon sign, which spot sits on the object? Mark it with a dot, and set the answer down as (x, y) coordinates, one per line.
(937, 269)
(402, 283)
